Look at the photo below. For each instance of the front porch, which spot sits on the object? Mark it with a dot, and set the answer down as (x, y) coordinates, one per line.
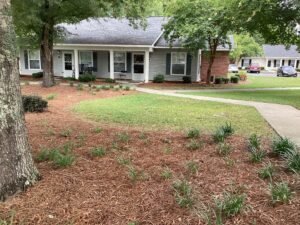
(113, 63)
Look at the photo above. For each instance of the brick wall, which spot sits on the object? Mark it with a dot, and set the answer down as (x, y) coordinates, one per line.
(220, 66)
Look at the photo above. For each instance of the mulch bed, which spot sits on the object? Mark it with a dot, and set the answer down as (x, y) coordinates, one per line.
(99, 191)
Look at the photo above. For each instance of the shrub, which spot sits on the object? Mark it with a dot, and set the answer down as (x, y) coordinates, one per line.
(226, 80)
(66, 132)
(193, 133)
(123, 161)
(51, 96)
(219, 136)
(166, 174)
(228, 129)
(280, 192)
(79, 87)
(219, 80)
(234, 79)
(87, 77)
(192, 167)
(224, 149)
(262, 68)
(159, 78)
(109, 80)
(183, 193)
(98, 152)
(229, 204)
(193, 145)
(57, 157)
(298, 70)
(106, 88)
(33, 103)
(123, 137)
(97, 130)
(243, 77)
(257, 155)
(267, 171)
(254, 142)
(37, 75)
(127, 88)
(187, 79)
(292, 159)
(282, 145)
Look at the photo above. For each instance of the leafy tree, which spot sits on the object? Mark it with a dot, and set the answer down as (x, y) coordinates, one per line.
(36, 20)
(245, 45)
(201, 24)
(16, 164)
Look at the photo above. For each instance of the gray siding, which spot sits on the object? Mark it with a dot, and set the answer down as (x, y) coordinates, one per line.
(24, 71)
(158, 65)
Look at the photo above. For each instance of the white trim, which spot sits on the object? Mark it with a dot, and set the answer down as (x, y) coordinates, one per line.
(146, 66)
(156, 40)
(112, 64)
(105, 45)
(137, 53)
(199, 62)
(185, 65)
(76, 63)
(40, 64)
(121, 62)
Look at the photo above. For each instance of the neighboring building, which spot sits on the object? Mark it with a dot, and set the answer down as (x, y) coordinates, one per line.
(275, 56)
(112, 48)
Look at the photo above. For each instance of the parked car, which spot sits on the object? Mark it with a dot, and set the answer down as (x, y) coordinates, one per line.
(286, 71)
(254, 67)
(232, 68)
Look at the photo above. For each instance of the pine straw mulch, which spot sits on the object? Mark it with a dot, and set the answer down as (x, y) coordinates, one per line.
(99, 191)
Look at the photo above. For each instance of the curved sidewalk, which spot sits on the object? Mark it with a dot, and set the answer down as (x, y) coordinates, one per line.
(284, 119)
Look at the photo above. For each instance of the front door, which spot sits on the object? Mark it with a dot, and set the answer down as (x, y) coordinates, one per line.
(68, 64)
(138, 67)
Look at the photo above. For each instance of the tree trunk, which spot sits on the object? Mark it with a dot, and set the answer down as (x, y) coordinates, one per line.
(47, 56)
(16, 164)
(47, 48)
(213, 45)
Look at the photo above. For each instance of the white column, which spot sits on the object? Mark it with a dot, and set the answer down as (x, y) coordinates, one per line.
(146, 66)
(76, 62)
(112, 68)
(295, 65)
(267, 63)
(198, 78)
(280, 63)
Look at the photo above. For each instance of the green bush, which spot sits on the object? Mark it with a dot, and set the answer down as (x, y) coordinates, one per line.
(98, 152)
(225, 80)
(267, 171)
(257, 155)
(229, 204)
(192, 167)
(193, 133)
(159, 78)
(32, 103)
(219, 136)
(79, 87)
(57, 157)
(183, 193)
(224, 149)
(193, 145)
(37, 75)
(282, 145)
(292, 159)
(228, 129)
(234, 79)
(219, 80)
(187, 79)
(280, 192)
(254, 142)
(109, 80)
(87, 77)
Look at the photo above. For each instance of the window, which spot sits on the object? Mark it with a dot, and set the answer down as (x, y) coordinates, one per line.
(34, 58)
(269, 63)
(246, 62)
(86, 59)
(120, 61)
(178, 63)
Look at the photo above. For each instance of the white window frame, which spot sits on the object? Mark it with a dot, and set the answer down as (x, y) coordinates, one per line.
(125, 61)
(40, 66)
(91, 53)
(177, 63)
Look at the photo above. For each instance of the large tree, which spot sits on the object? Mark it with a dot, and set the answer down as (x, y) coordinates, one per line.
(36, 21)
(201, 24)
(245, 45)
(16, 164)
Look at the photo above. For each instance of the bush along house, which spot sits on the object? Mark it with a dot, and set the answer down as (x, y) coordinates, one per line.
(111, 48)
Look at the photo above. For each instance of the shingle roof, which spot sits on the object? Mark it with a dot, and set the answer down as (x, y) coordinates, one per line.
(113, 32)
(110, 31)
(280, 51)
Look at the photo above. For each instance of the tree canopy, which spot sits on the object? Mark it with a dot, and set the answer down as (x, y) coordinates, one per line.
(245, 45)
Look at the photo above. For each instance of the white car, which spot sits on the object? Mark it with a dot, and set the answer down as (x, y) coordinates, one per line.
(232, 68)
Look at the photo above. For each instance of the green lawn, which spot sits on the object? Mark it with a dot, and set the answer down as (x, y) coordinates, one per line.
(270, 82)
(287, 97)
(160, 112)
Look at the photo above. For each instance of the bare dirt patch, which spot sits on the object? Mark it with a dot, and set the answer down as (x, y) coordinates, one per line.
(99, 190)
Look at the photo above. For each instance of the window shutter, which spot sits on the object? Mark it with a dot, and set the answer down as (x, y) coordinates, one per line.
(95, 66)
(129, 63)
(189, 64)
(250, 62)
(168, 64)
(108, 60)
(242, 62)
(26, 59)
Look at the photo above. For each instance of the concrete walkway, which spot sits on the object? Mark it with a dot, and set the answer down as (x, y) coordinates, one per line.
(284, 119)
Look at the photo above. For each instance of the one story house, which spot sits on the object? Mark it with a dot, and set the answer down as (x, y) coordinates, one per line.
(274, 56)
(112, 48)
